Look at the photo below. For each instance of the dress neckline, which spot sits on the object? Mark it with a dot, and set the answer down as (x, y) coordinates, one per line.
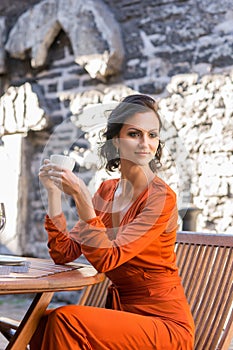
(130, 204)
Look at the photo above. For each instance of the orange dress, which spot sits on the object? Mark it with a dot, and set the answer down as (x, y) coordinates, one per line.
(146, 307)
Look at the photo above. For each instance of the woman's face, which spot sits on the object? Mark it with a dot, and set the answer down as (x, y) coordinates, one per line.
(138, 139)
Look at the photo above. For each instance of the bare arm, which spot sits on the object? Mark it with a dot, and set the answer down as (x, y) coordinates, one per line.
(54, 203)
(53, 192)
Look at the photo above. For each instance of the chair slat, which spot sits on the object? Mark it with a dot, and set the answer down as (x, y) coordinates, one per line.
(95, 295)
(210, 298)
(222, 299)
(190, 258)
(202, 282)
(226, 339)
(181, 255)
(197, 274)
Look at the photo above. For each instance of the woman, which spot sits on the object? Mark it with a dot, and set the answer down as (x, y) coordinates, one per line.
(127, 231)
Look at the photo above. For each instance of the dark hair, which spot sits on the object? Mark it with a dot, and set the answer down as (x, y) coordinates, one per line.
(129, 106)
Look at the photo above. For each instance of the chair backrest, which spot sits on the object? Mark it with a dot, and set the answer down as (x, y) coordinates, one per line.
(206, 267)
(205, 263)
(95, 295)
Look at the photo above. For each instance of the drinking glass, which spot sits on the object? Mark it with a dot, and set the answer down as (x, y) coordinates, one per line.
(4, 270)
(2, 217)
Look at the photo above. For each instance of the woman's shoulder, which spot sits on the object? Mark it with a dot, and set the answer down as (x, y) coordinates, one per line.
(108, 185)
(161, 186)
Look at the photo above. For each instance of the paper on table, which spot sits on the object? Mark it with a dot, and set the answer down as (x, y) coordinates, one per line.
(6, 269)
(36, 269)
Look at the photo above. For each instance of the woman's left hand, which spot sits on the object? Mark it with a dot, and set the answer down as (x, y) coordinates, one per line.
(64, 179)
(72, 185)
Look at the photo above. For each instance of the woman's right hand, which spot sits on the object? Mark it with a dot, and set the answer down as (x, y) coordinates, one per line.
(45, 178)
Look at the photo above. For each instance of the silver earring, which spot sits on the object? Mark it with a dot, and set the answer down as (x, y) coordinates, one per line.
(117, 153)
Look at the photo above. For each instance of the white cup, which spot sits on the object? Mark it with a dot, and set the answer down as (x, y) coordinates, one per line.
(63, 161)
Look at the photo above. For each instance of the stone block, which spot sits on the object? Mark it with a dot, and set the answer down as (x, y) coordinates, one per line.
(91, 27)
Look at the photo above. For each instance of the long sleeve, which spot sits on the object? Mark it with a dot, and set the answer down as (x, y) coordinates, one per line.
(62, 249)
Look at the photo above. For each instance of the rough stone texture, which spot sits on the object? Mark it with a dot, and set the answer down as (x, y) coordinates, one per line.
(201, 110)
(2, 40)
(94, 34)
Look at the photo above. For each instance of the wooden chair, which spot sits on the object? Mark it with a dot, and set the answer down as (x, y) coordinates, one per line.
(206, 267)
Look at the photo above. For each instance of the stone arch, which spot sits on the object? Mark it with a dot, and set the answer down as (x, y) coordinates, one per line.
(92, 29)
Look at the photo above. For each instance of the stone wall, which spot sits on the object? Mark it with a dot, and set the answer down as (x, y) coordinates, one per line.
(180, 53)
(201, 111)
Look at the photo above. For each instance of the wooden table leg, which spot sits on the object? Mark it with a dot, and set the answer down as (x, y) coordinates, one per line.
(30, 321)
